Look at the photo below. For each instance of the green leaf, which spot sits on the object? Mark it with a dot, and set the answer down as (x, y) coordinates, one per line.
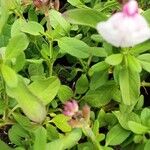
(116, 135)
(82, 84)
(66, 142)
(16, 135)
(147, 145)
(98, 52)
(140, 48)
(32, 28)
(101, 96)
(30, 104)
(16, 27)
(137, 127)
(16, 46)
(134, 63)
(74, 47)
(57, 20)
(76, 3)
(124, 117)
(45, 89)
(4, 14)
(65, 93)
(100, 66)
(52, 133)
(4, 146)
(129, 81)
(146, 15)
(87, 17)
(9, 76)
(98, 79)
(22, 120)
(40, 138)
(114, 59)
(145, 61)
(145, 117)
(61, 121)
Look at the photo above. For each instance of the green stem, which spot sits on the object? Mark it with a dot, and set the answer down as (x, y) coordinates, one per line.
(147, 84)
(89, 133)
(83, 65)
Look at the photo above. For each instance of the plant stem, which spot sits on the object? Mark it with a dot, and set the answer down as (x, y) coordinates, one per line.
(147, 84)
(89, 133)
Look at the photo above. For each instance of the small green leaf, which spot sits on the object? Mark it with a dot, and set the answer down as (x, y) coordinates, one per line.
(32, 28)
(65, 93)
(116, 135)
(9, 76)
(82, 84)
(40, 138)
(16, 46)
(145, 61)
(101, 66)
(137, 127)
(145, 117)
(134, 63)
(74, 47)
(61, 121)
(52, 133)
(114, 59)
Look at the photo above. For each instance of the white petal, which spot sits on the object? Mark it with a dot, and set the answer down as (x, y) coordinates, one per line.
(124, 31)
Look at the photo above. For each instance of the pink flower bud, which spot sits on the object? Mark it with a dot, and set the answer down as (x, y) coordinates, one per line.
(70, 108)
(131, 8)
(126, 28)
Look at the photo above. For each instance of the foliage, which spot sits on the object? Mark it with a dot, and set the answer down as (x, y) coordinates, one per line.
(48, 57)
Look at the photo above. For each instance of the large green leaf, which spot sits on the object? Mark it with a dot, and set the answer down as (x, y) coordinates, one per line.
(87, 17)
(16, 46)
(116, 135)
(45, 89)
(74, 47)
(30, 104)
(129, 81)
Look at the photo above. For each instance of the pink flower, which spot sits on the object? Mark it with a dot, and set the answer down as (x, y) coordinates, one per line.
(70, 108)
(126, 28)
